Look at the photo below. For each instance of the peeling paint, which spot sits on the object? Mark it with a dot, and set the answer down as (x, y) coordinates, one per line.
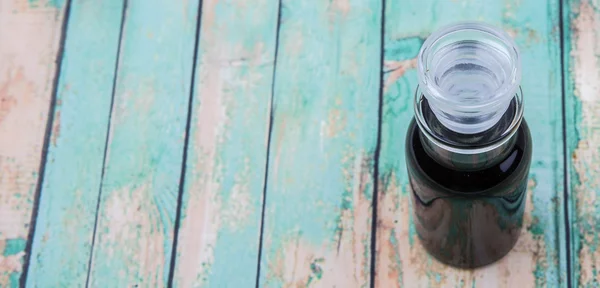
(586, 155)
(56, 128)
(142, 171)
(202, 220)
(341, 262)
(223, 202)
(238, 208)
(26, 70)
(318, 216)
(10, 264)
(45, 3)
(131, 212)
(198, 235)
(396, 70)
(7, 96)
(202, 216)
(335, 123)
(342, 6)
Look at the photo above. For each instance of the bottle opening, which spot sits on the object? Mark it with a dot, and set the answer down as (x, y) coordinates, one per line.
(469, 73)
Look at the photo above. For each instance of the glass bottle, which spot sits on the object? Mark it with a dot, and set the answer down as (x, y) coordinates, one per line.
(468, 149)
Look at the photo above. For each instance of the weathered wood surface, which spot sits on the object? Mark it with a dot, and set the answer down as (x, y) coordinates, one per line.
(582, 75)
(317, 223)
(138, 200)
(222, 201)
(539, 255)
(69, 196)
(29, 42)
(322, 159)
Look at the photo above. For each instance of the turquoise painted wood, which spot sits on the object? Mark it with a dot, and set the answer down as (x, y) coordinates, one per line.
(321, 164)
(539, 257)
(317, 223)
(582, 72)
(69, 194)
(29, 44)
(138, 200)
(222, 201)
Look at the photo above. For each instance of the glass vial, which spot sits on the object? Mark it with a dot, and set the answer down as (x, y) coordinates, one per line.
(468, 149)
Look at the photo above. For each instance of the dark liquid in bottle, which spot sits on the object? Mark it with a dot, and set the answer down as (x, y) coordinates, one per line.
(468, 218)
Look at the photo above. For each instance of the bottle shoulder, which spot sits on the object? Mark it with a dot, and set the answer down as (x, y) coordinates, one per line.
(499, 179)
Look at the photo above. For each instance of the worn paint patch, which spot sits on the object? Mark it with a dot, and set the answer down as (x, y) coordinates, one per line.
(342, 6)
(145, 148)
(210, 209)
(18, 103)
(199, 236)
(27, 53)
(45, 3)
(56, 128)
(14, 246)
(342, 262)
(7, 98)
(402, 49)
(61, 244)
(586, 155)
(202, 220)
(11, 260)
(403, 261)
(335, 123)
(200, 226)
(131, 212)
(11, 267)
(238, 208)
(525, 35)
(396, 69)
(317, 220)
(222, 200)
(17, 98)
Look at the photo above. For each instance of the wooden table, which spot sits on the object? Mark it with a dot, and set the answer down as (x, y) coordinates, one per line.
(241, 143)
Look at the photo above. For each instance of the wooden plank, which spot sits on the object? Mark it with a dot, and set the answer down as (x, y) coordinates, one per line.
(29, 43)
(134, 234)
(71, 185)
(538, 258)
(218, 241)
(582, 99)
(317, 223)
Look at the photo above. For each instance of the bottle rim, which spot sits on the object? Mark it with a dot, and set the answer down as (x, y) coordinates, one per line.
(498, 35)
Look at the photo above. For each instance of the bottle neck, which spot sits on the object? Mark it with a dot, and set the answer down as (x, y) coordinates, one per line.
(468, 152)
(467, 162)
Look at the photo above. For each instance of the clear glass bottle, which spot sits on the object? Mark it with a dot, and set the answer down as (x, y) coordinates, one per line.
(468, 150)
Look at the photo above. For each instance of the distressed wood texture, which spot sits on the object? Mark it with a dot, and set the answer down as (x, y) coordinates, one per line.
(582, 75)
(29, 42)
(538, 259)
(317, 223)
(218, 241)
(138, 199)
(71, 185)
